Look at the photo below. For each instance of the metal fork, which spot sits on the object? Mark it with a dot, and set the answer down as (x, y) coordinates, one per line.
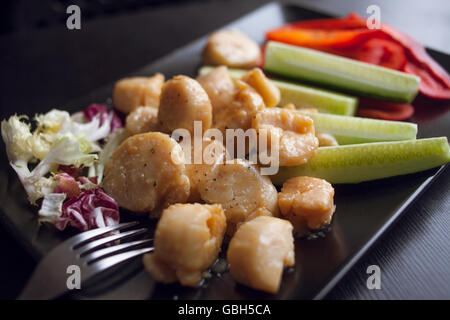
(85, 250)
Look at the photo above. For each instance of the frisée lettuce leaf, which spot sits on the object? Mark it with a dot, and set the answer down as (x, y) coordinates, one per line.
(51, 147)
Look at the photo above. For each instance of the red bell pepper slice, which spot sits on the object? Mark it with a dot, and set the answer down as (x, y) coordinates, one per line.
(418, 54)
(384, 110)
(385, 53)
(315, 37)
(429, 85)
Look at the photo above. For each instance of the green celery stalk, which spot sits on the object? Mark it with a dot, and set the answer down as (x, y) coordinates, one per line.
(305, 96)
(352, 130)
(339, 72)
(370, 161)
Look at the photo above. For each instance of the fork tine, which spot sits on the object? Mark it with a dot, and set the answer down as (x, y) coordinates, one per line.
(96, 255)
(86, 248)
(103, 264)
(88, 235)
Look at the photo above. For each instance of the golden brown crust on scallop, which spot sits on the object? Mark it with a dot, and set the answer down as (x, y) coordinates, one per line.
(307, 202)
(259, 251)
(183, 101)
(147, 172)
(188, 238)
(142, 120)
(231, 48)
(130, 93)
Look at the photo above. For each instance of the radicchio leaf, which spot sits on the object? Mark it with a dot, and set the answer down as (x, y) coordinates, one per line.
(67, 184)
(91, 209)
(102, 110)
(71, 170)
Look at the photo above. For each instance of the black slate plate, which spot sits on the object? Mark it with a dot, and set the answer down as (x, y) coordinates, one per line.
(364, 211)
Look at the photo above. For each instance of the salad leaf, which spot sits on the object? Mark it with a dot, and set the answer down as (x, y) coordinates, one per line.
(16, 135)
(91, 209)
(52, 121)
(20, 148)
(48, 126)
(67, 150)
(51, 209)
(88, 183)
(102, 110)
(53, 124)
(59, 141)
(23, 147)
(70, 170)
(40, 144)
(67, 184)
(39, 188)
(93, 130)
(114, 140)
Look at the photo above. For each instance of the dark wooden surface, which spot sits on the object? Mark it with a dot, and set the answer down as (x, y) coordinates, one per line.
(56, 65)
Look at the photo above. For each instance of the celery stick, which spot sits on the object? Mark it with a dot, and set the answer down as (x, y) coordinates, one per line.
(304, 96)
(351, 130)
(339, 72)
(322, 100)
(370, 161)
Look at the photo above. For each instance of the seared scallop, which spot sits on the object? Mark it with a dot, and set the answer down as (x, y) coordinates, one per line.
(142, 120)
(239, 113)
(294, 132)
(146, 172)
(220, 88)
(231, 48)
(267, 90)
(240, 188)
(259, 251)
(205, 153)
(130, 93)
(307, 202)
(291, 106)
(183, 101)
(326, 140)
(187, 241)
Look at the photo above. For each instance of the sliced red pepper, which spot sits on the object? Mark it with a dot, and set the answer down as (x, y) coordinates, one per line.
(322, 32)
(350, 37)
(382, 52)
(398, 115)
(418, 54)
(322, 39)
(384, 110)
(313, 37)
(428, 86)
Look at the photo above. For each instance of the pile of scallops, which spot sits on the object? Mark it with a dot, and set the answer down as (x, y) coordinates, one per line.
(198, 205)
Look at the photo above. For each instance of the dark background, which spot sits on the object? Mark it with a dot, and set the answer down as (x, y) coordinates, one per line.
(54, 65)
